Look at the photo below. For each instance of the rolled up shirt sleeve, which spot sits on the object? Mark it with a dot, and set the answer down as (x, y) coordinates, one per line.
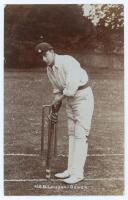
(56, 91)
(73, 75)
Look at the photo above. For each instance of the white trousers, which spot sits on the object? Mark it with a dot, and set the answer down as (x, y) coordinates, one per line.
(79, 115)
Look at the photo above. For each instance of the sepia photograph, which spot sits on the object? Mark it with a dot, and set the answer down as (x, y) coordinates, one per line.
(64, 99)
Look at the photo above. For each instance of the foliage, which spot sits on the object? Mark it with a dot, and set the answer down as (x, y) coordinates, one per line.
(107, 15)
(50, 21)
(67, 27)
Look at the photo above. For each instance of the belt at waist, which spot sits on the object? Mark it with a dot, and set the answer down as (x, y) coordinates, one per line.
(83, 86)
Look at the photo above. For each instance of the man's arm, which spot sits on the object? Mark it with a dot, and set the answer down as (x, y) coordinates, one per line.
(73, 76)
(58, 99)
(56, 104)
(72, 71)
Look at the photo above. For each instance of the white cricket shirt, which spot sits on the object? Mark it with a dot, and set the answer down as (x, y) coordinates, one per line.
(66, 75)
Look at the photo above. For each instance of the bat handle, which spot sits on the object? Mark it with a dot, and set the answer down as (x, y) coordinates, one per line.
(48, 173)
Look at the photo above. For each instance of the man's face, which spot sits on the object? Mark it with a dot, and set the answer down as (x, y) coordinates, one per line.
(48, 57)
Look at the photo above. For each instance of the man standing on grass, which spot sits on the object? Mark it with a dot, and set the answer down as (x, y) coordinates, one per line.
(70, 82)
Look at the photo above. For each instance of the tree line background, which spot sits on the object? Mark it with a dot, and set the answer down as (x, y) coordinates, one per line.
(70, 28)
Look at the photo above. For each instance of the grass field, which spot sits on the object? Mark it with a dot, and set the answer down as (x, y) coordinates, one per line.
(25, 93)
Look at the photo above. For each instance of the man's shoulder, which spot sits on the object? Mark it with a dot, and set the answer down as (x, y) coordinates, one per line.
(64, 58)
(60, 56)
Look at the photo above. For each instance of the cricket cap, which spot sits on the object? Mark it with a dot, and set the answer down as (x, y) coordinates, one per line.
(43, 47)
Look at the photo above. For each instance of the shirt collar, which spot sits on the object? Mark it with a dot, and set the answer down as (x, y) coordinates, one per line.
(56, 62)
